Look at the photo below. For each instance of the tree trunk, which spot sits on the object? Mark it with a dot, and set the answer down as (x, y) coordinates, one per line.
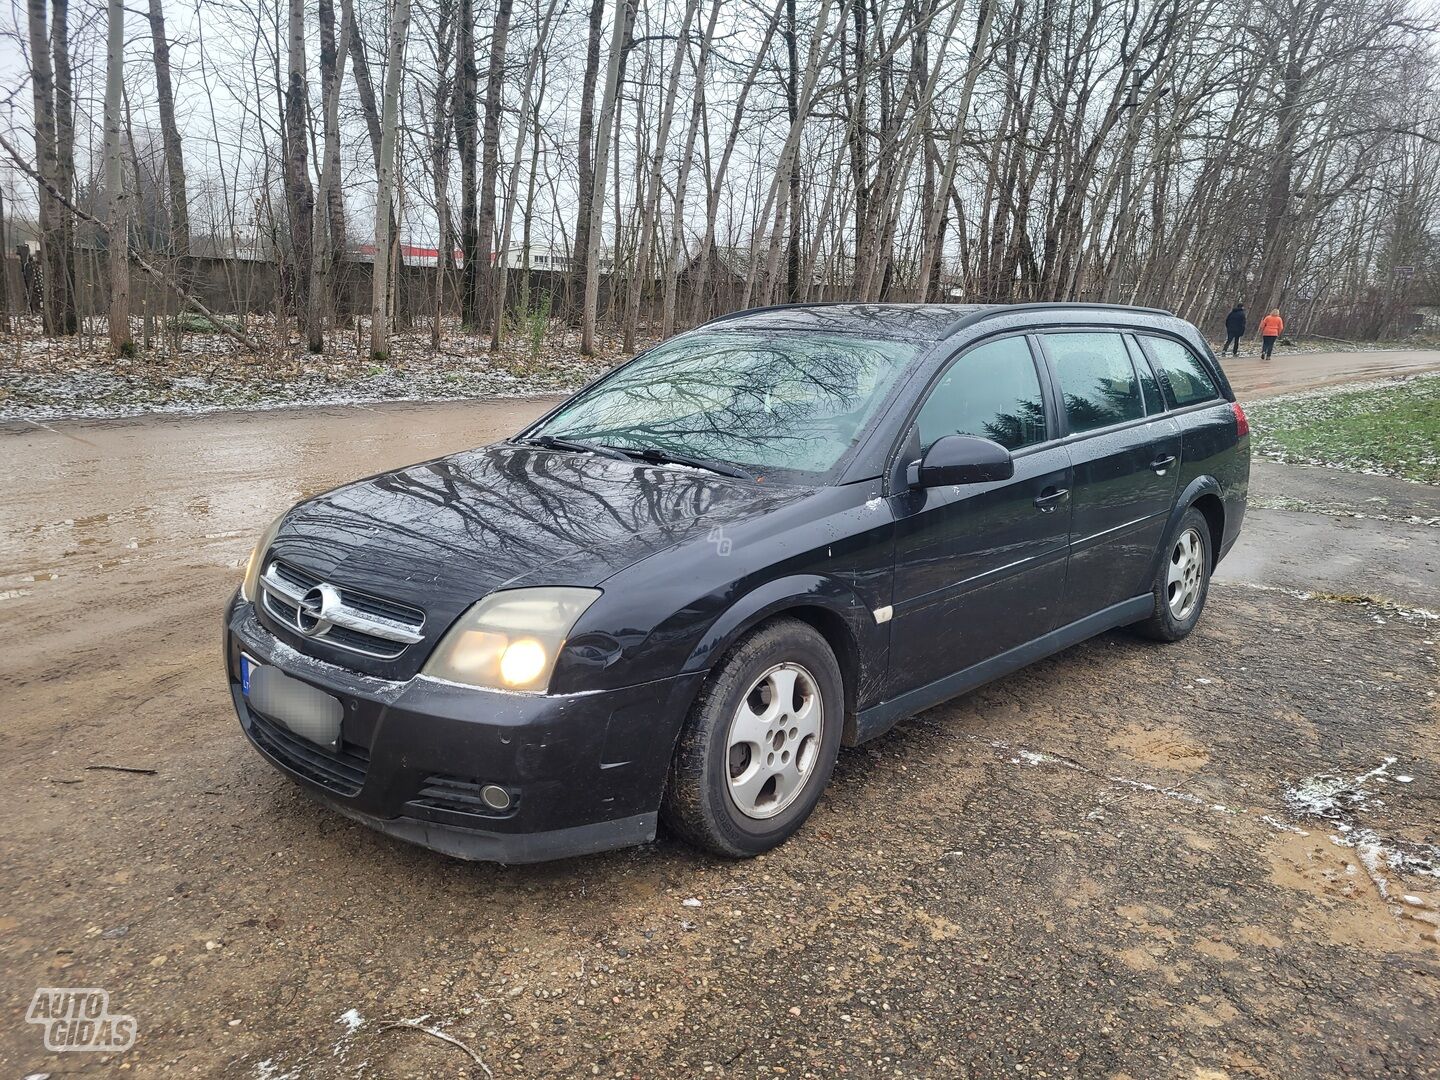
(328, 228)
(671, 270)
(439, 128)
(792, 110)
(623, 13)
(55, 163)
(170, 135)
(585, 182)
(490, 164)
(65, 158)
(467, 140)
(299, 194)
(385, 191)
(52, 249)
(119, 225)
(332, 74)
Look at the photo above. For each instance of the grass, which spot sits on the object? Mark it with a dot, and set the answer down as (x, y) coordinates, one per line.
(1392, 428)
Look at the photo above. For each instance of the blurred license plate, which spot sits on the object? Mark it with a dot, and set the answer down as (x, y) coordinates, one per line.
(310, 713)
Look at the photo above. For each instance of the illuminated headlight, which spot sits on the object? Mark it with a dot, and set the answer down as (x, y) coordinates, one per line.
(510, 639)
(251, 581)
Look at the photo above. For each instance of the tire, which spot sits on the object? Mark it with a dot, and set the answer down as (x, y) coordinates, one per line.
(1182, 580)
(739, 797)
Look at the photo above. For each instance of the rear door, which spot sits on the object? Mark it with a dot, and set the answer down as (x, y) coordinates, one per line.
(980, 568)
(1126, 458)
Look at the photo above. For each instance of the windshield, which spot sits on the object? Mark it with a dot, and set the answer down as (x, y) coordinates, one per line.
(761, 401)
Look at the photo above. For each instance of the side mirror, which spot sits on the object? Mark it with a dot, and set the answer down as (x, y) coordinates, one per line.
(961, 459)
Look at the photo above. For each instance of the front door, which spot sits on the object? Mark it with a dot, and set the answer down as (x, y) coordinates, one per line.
(1126, 457)
(980, 568)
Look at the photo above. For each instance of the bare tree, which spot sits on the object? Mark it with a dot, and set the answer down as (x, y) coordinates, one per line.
(623, 14)
(490, 159)
(380, 312)
(585, 165)
(676, 245)
(118, 218)
(56, 248)
(170, 133)
(299, 193)
(327, 233)
(651, 194)
(532, 65)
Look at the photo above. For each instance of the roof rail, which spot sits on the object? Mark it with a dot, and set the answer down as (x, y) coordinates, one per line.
(774, 307)
(1006, 309)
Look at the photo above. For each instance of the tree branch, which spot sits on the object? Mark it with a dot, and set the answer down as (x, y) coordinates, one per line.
(159, 275)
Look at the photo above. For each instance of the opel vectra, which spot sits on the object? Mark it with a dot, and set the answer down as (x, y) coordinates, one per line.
(675, 596)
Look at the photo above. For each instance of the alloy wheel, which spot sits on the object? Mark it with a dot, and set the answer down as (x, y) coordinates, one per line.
(1184, 576)
(774, 741)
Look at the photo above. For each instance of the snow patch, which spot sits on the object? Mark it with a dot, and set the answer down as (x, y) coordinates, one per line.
(1334, 798)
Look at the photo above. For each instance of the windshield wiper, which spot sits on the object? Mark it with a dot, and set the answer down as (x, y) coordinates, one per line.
(673, 457)
(579, 446)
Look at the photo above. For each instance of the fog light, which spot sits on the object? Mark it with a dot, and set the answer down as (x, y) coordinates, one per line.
(495, 797)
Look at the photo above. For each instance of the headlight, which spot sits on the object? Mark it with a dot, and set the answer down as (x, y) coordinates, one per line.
(251, 582)
(510, 639)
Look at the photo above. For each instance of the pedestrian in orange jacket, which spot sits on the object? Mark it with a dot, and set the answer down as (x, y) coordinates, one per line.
(1271, 327)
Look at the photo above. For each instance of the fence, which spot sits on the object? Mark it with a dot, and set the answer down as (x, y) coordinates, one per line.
(236, 286)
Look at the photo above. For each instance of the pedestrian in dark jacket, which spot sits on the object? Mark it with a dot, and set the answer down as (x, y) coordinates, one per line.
(1234, 329)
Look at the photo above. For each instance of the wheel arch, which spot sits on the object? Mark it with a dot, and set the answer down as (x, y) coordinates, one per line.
(831, 608)
(1204, 494)
(1212, 508)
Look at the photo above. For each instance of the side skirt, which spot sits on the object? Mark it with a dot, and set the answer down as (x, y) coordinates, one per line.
(880, 718)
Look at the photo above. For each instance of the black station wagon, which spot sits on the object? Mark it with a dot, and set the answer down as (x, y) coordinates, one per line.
(676, 595)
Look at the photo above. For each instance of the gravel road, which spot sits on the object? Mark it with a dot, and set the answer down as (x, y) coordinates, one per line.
(1202, 860)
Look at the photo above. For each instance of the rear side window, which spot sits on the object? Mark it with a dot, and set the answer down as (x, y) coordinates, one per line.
(1154, 402)
(1185, 379)
(992, 391)
(1097, 380)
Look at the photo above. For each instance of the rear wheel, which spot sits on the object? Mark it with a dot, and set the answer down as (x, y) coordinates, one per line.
(759, 744)
(1182, 581)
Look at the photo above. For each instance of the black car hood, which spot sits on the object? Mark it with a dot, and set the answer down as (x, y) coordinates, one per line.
(442, 534)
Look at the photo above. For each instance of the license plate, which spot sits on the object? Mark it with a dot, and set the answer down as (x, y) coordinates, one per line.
(310, 713)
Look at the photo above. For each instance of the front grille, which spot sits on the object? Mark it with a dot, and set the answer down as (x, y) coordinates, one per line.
(454, 795)
(357, 622)
(342, 773)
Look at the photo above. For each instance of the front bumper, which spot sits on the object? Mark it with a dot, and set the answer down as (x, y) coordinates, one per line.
(585, 772)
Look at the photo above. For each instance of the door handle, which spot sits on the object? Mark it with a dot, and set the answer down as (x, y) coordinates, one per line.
(1160, 464)
(1049, 500)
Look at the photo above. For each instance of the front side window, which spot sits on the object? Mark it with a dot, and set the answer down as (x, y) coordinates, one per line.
(992, 391)
(1097, 380)
(794, 401)
(1185, 378)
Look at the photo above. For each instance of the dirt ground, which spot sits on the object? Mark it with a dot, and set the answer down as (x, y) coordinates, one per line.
(1209, 859)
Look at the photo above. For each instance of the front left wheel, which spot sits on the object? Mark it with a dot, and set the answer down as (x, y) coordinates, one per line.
(759, 744)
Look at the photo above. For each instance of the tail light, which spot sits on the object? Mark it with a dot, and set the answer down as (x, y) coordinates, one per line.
(1242, 425)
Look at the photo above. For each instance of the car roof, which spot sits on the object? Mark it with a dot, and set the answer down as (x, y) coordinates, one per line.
(921, 323)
